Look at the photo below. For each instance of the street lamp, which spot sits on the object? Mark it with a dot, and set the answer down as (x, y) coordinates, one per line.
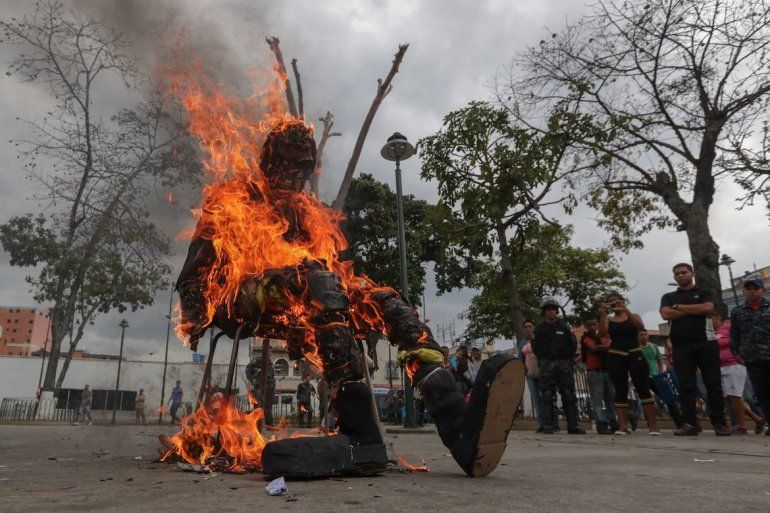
(123, 325)
(727, 262)
(165, 359)
(396, 149)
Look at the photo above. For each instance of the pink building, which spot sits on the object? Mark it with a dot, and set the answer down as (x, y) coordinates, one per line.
(24, 330)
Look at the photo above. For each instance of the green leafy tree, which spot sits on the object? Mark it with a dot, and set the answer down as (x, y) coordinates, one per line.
(93, 246)
(546, 264)
(372, 232)
(682, 87)
(494, 178)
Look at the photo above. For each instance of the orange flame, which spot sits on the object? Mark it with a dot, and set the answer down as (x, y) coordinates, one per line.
(410, 467)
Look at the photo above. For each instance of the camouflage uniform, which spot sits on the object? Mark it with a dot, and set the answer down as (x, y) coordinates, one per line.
(554, 345)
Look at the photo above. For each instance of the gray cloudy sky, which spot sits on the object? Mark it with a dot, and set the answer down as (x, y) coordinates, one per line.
(342, 48)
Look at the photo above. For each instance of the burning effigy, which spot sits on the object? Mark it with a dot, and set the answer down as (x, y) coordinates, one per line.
(264, 260)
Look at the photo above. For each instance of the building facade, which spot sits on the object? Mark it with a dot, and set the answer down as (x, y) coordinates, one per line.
(23, 330)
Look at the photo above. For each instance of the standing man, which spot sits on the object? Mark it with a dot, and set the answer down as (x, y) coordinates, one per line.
(694, 347)
(304, 405)
(654, 359)
(594, 350)
(139, 403)
(84, 410)
(474, 363)
(176, 400)
(254, 375)
(555, 346)
(750, 339)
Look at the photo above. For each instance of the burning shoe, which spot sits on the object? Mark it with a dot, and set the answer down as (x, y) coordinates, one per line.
(475, 432)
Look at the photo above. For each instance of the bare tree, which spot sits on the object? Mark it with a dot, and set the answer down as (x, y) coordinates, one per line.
(670, 86)
(93, 243)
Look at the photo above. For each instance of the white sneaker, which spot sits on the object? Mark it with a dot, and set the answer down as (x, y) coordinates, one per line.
(76, 423)
(90, 422)
(655, 433)
(621, 433)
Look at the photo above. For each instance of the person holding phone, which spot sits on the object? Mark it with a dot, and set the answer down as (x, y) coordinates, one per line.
(625, 359)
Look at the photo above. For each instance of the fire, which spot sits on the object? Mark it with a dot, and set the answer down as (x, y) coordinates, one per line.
(253, 229)
(222, 431)
(410, 467)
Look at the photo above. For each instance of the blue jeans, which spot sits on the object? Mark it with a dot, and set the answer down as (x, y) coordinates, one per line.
(534, 393)
(602, 397)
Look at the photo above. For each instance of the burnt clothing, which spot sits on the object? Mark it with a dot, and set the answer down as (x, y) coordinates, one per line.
(554, 341)
(689, 327)
(557, 374)
(623, 336)
(750, 332)
(704, 355)
(620, 367)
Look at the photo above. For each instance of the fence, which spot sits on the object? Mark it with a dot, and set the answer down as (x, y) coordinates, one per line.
(21, 409)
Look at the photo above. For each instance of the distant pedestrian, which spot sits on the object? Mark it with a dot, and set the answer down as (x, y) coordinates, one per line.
(654, 358)
(139, 403)
(733, 375)
(84, 410)
(176, 401)
(474, 363)
(750, 339)
(305, 392)
(594, 350)
(694, 347)
(445, 352)
(625, 360)
(527, 355)
(555, 347)
(459, 365)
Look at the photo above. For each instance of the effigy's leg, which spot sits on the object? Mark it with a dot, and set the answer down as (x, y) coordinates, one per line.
(476, 431)
(359, 448)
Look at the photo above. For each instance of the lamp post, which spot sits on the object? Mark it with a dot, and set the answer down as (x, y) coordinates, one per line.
(396, 149)
(123, 325)
(165, 359)
(727, 262)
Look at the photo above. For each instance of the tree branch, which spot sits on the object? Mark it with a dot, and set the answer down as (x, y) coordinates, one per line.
(274, 44)
(383, 88)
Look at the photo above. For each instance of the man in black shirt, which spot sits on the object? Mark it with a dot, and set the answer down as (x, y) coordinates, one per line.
(555, 346)
(694, 347)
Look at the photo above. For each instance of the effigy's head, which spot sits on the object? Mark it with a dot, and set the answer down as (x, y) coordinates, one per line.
(289, 155)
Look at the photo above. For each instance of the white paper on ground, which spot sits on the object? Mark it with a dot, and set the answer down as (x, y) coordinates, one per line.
(277, 487)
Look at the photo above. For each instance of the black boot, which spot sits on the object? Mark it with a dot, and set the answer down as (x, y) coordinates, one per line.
(475, 432)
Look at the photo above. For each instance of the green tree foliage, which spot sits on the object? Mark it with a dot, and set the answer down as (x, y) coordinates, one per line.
(546, 264)
(372, 232)
(494, 178)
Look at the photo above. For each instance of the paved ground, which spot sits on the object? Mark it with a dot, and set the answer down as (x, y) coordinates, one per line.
(65, 468)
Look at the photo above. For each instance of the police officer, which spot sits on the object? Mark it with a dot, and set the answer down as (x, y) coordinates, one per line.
(555, 346)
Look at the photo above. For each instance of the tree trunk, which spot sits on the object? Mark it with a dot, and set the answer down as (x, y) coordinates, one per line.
(57, 336)
(75, 340)
(703, 250)
(511, 285)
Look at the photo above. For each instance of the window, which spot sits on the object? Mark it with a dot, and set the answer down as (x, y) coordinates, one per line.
(281, 367)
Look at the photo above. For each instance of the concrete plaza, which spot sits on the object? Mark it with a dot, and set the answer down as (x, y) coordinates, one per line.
(95, 468)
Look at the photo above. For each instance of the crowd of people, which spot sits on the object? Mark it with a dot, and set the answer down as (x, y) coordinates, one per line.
(722, 359)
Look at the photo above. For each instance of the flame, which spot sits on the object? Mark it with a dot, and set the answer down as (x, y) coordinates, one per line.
(247, 222)
(410, 467)
(171, 198)
(222, 430)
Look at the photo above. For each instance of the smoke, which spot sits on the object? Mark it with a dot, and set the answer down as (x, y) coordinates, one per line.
(229, 38)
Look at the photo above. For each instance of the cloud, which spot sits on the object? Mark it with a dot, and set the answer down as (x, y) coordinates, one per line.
(342, 48)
